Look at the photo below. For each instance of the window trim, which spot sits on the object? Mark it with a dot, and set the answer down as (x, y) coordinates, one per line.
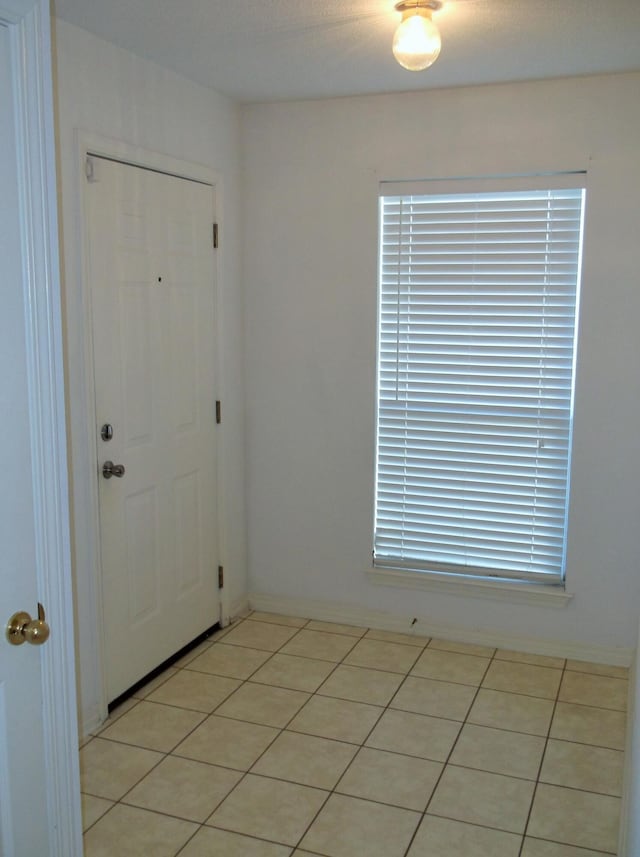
(537, 586)
(548, 594)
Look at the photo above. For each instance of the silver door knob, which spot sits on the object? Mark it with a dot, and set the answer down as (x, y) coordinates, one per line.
(21, 628)
(110, 469)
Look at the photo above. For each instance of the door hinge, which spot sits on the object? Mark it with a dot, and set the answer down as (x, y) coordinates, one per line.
(218, 412)
(220, 577)
(215, 236)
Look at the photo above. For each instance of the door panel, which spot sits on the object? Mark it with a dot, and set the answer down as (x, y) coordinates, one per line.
(21, 744)
(39, 783)
(152, 288)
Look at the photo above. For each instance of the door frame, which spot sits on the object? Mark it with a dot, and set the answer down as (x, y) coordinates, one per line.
(28, 23)
(89, 143)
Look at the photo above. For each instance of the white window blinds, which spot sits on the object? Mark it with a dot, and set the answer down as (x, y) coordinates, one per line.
(478, 296)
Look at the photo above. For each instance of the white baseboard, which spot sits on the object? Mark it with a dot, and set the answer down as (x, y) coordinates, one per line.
(239, 607)
(89, 722)
(625, 807)
(424, 627)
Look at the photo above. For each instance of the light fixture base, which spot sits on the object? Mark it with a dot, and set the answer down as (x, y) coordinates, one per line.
(407, 5)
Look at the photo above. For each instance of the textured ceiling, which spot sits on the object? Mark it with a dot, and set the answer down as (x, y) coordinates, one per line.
(269, 50)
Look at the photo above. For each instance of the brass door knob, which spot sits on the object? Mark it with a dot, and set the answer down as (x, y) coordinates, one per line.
(21, 628)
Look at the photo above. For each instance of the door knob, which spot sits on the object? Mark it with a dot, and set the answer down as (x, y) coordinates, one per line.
(21, 628)
(110, 469)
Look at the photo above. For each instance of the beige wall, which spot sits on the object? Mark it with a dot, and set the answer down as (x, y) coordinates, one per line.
(311, 172)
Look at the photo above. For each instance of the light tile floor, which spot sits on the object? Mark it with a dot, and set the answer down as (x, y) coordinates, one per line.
(281, 736)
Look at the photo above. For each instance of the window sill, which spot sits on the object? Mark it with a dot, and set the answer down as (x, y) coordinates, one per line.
(523, 593)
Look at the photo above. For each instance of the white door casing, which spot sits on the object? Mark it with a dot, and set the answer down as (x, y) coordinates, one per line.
(151, 273)
(39, 784)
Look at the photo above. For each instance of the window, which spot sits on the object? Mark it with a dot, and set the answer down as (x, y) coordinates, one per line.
(476, 353)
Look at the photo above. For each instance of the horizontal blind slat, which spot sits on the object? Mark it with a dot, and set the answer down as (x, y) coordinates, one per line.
(478, 295)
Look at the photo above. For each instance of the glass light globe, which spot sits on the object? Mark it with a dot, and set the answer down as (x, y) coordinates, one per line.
(417, 43)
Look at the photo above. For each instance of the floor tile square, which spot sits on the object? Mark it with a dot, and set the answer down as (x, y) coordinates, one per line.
(109, 769)
(377, 726)
(259, 635)
(210, 842)
(575, 818)
(451, 666)
(391, 778)
(305, 759)
(598, 669)
(229, 661)
(526, 679)
(361, 685)
(414, 735)
(293, 672)
(148, 688)
(585, 725)
(336, 628)
(192, 654)
(262, 703)
(349, 827)
(489, 800)
(130, 832)
(183, 788)
(394, 637)
(541, 848)
(594, 690)
(498, 751)
(194, 690)
(580, 766)
(319, 644)
(462, 648)
(511, 711)
(528, 658)
(226, 742)
(117, 713)
(154, 726)
(442, 837)
(380, 655)
(437, 698)
(336, 718)
(269, 809)
(278, 619)
(93, 808)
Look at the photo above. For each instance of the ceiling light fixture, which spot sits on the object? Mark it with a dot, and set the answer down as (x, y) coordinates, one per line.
(416, 44)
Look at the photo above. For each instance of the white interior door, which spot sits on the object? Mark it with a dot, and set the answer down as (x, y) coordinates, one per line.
(151, 263)
(39, 788)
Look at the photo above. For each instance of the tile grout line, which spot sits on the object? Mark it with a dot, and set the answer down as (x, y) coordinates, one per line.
(165, 755)
(541, 765)
(366, 738)
(420, 650)
(281, 730)
(275, 738)
(423, 815)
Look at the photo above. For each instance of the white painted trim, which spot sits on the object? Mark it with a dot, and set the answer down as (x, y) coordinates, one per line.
(7, 846)
(626, 808)
(514, 591)
(90, 143)
(425, 627)
(138, 156)
(31, 59)
(239, 607)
